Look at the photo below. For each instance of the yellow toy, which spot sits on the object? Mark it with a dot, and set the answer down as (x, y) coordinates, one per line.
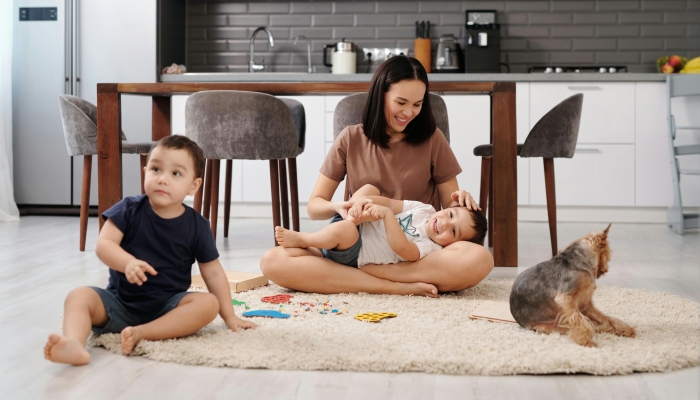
(374, 317)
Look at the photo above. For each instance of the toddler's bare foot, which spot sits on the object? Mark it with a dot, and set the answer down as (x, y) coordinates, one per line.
(130, 338)
(65, 350)
(287, 238)
(418, 289)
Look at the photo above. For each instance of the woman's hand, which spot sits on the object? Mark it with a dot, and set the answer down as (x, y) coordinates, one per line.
(375, 212)
(359, 205)
(462, 198)
(234, 323)
(342, 207)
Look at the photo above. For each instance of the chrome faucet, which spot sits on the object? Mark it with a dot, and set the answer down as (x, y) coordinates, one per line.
(308, 52)
(252, 66)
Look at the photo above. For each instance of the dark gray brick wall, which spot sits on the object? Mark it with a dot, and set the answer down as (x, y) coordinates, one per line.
(628, 32)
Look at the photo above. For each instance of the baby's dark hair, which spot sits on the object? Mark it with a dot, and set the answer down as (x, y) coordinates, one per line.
(480, 226)
(179, 142)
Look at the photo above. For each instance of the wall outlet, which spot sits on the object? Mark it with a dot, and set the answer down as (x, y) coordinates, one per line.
(381, 54)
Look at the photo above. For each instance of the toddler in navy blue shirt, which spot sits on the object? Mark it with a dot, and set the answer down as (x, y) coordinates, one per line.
(150, 242)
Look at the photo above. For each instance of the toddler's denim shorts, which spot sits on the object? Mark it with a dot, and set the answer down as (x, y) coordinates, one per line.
(346, 257)
(120, 316)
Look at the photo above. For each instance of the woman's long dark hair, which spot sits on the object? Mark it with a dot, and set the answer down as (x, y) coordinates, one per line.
(393, 70)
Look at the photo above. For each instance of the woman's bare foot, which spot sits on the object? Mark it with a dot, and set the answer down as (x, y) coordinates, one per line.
(418, 289)
(130, 338)
(65, 350)
(287, 238)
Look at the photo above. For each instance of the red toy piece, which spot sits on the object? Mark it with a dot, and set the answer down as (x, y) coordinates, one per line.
(277, 299)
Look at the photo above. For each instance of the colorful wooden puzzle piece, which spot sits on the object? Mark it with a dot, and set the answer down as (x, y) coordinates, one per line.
(277, 299)
(265, 313)
(374, 317)
(237, 303)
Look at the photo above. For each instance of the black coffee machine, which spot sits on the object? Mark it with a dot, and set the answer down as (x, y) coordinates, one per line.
(482, 42)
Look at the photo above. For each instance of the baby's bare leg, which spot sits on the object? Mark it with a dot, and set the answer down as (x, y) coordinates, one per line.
(194, 312)
(340, 236)
(83, 309)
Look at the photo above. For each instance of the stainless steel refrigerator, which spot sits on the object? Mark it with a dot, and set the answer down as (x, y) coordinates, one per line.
(67, 48)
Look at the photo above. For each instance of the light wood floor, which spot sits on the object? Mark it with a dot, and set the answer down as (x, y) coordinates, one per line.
(40, 264)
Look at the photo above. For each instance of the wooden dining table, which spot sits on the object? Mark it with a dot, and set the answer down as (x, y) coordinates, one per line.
(504, 223)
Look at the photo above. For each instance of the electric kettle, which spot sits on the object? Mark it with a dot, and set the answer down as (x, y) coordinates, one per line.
(343, 57)
(448, 57)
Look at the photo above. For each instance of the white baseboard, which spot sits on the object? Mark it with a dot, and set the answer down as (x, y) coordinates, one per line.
(655, 215)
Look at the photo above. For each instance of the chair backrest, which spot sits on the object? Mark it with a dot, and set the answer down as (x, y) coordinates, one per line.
(79, 119)
(79, 128)
(349, 112)
(556, 133)
(679, 86)
(232, 124)
(299, 116)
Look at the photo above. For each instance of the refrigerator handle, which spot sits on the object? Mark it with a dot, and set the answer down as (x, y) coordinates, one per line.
(68, 51)
(76, 47)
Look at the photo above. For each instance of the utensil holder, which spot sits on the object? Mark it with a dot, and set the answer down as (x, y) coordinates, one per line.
(422, 50)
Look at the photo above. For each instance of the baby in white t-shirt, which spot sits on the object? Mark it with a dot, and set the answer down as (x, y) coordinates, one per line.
(380, 230)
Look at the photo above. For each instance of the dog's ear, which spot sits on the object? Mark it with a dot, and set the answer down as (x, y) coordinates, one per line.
(605, 232)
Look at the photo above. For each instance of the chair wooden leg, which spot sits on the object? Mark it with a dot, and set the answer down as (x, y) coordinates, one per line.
(143, 158)
(485, 184)
(227, 196)
(490, 205)
(551, 202)
(206, 205)
(216, 164)
(85, 199)
(284, 196)
(275, 194)
(294, 192)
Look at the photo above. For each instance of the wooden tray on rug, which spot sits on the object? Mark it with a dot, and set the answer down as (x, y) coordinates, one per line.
(239, 281)
(494, 311)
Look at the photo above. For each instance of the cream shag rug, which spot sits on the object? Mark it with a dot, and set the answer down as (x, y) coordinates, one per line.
(436, 336)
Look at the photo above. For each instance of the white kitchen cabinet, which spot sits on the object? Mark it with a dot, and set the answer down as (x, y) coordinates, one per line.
(597, 175)
(653, 172)
(470, 126)
(608, 108)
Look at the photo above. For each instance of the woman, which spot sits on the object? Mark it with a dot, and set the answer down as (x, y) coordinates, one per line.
(399, 150)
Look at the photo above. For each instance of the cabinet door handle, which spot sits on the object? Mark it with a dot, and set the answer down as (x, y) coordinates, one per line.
(590, 87)
(588, 151)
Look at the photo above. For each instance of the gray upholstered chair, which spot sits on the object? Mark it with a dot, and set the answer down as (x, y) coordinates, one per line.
(237, 125)
(349, 112)
(80, 129)
(553, 136)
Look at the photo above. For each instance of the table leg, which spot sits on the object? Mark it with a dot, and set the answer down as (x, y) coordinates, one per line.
(109, 148)
(505, 193)
(160, 123)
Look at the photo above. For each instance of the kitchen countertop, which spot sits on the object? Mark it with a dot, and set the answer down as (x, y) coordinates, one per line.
(326, 77)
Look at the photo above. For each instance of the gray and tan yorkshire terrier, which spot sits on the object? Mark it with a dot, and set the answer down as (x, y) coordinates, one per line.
(557, 295)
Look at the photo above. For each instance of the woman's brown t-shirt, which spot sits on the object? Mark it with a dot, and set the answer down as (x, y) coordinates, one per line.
(403, 171)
